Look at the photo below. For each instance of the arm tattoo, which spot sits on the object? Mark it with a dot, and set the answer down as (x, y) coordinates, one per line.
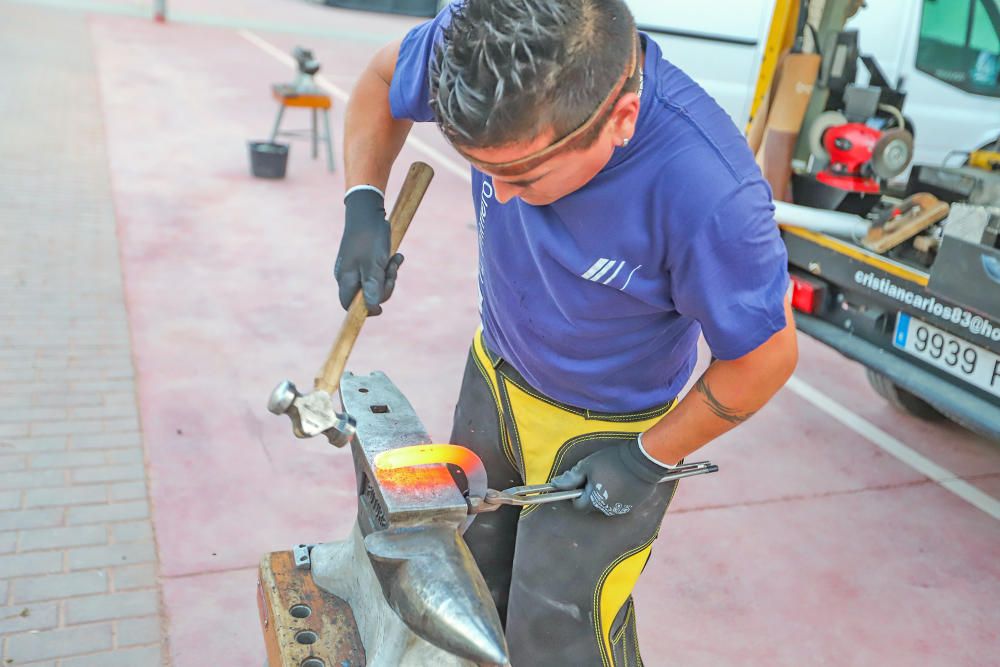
(721, 411)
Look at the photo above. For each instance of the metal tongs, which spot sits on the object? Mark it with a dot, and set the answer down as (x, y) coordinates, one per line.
(541, 494)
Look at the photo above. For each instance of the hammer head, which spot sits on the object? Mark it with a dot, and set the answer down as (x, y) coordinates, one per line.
(312, 414)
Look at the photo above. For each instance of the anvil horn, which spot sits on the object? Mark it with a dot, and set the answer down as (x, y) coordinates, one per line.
(431, 581)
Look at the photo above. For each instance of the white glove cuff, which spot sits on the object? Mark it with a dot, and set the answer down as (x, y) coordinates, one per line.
(364, 187)
(654, 460)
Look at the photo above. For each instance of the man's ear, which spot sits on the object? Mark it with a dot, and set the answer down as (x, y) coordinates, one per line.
(623, 117)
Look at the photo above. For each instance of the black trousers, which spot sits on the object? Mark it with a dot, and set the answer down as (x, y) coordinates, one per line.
(562, 579)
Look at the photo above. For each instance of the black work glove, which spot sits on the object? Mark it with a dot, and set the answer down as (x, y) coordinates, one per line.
(363, 260)
(614, 480)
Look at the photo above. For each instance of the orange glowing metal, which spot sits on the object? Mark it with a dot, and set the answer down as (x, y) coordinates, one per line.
(416, 479)
(422, 467)
(417, 455)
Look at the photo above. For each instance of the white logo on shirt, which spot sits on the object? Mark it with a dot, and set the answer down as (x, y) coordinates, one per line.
(485, 195)
(605, 271)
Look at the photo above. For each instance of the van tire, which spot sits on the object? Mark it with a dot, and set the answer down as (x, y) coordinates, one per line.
(901, 399)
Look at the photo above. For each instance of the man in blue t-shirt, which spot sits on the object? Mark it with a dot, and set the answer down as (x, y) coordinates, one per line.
(620, 215)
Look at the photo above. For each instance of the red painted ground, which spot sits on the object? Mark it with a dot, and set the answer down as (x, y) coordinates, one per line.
(811, 547)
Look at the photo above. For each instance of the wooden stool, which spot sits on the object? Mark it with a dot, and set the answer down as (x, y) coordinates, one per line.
(287, 96)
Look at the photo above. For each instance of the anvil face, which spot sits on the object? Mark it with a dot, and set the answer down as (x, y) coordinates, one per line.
(403, 480)
(423, 478)
(412, 509)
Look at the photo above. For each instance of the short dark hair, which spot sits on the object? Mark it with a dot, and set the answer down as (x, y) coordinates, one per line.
(507, 70)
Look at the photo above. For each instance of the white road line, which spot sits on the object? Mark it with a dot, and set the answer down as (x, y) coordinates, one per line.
(443, 160)
(894, 447)
(942, 476)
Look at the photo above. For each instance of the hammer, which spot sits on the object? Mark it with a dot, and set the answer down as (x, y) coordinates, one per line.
(313, 413)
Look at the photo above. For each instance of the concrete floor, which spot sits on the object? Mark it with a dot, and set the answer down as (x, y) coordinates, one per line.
(813, 546)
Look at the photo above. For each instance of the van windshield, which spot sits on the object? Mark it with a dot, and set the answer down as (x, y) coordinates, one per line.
(960, 44)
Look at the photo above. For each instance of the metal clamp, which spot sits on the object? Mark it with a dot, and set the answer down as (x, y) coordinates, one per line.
(303, 556)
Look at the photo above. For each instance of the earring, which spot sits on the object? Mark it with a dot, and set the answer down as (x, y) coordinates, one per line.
(625, 141)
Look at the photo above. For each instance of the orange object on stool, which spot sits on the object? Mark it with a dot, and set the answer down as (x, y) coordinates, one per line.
(288, 96)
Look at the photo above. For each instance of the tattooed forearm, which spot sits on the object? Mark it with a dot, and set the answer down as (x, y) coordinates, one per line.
(721, 411)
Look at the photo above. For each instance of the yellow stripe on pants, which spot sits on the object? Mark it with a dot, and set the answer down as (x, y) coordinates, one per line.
(539, 433)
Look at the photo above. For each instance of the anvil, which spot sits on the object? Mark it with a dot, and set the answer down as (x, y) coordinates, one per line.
(413, 505)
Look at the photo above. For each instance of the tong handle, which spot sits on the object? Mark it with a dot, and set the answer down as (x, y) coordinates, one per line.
(541, 494)
(690, 470)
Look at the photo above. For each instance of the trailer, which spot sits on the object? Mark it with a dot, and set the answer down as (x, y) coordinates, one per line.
(929, 337)
(894, 261)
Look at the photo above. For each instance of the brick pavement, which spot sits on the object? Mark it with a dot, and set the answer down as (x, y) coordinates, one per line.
(78, 578)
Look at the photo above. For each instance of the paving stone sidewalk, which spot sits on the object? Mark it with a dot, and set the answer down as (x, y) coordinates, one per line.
(78, 573)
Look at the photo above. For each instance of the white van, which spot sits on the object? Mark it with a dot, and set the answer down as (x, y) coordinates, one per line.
(947, 51)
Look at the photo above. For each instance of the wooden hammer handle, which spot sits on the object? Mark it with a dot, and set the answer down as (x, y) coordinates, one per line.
(412, 192)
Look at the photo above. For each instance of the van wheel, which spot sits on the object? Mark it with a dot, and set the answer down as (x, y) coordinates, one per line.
(901, 399)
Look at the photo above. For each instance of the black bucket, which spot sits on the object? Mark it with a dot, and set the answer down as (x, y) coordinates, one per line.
(267, 159)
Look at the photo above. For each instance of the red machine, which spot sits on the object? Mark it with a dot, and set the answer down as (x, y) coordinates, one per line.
(858, 155)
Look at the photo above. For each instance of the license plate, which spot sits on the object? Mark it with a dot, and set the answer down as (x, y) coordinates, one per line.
(977, 366)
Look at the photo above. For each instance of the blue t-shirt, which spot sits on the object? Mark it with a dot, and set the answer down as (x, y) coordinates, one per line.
(598, 298)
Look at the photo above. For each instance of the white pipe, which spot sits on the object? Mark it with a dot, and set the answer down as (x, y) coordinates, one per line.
(820, 220)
